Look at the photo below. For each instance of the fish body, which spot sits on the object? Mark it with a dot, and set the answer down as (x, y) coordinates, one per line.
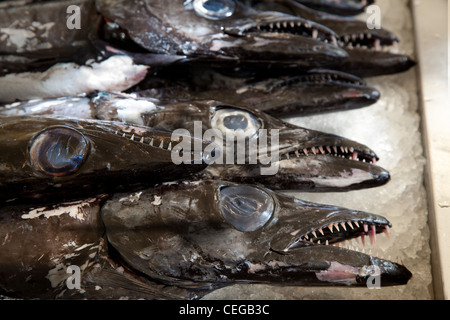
(184, 240)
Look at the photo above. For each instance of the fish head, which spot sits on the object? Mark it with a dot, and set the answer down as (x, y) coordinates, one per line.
(57, 158)
(216, 233)
(224, 30)
(325, 162)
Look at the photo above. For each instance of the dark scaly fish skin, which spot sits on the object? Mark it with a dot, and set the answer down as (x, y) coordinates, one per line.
(141, 246)
(309, 160)
(50, 159)
(174, 27)
(372, 52)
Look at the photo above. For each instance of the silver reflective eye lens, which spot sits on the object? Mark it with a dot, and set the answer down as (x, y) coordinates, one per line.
(235, 122)
(247, 208)
(58, 151)
(214, 9)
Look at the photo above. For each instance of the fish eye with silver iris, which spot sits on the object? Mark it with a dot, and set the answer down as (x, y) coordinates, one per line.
(246, 208)
(214, 9)
(58, 151)
(235, 122)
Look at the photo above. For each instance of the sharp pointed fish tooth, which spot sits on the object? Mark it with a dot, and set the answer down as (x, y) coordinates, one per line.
(373, 234)
(315, 33)
(151, 142)
(285, 24)
(306, 237)
(142, 140)
(169, 147)
(305, 151)
(337, 227)
(132, 137)
(161, 145)
(313, 149)
(271, 26)
(330, 226)
(328, 149)
(321, 150)
(356, 222)
(326, 242)
(362, 239)
(321, 231)
(355, 155)
(346, 149)
(366, 228)
(350, 224)
(335, 149)
(278, 25)
(343, 226)
(374, 161)
(292, 24)
(297, 154)
(318, 241)
(123, 136)
(314, 234)
(342, 149)
(116, 132)
(351, 149)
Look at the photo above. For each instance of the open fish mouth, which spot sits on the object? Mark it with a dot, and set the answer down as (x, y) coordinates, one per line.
(280, 26)
(337, 232)
(251, 235)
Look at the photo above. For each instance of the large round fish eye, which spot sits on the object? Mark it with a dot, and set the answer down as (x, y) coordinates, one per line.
(58, 151)
(214, 9)
(236, 122)
(247, 208)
